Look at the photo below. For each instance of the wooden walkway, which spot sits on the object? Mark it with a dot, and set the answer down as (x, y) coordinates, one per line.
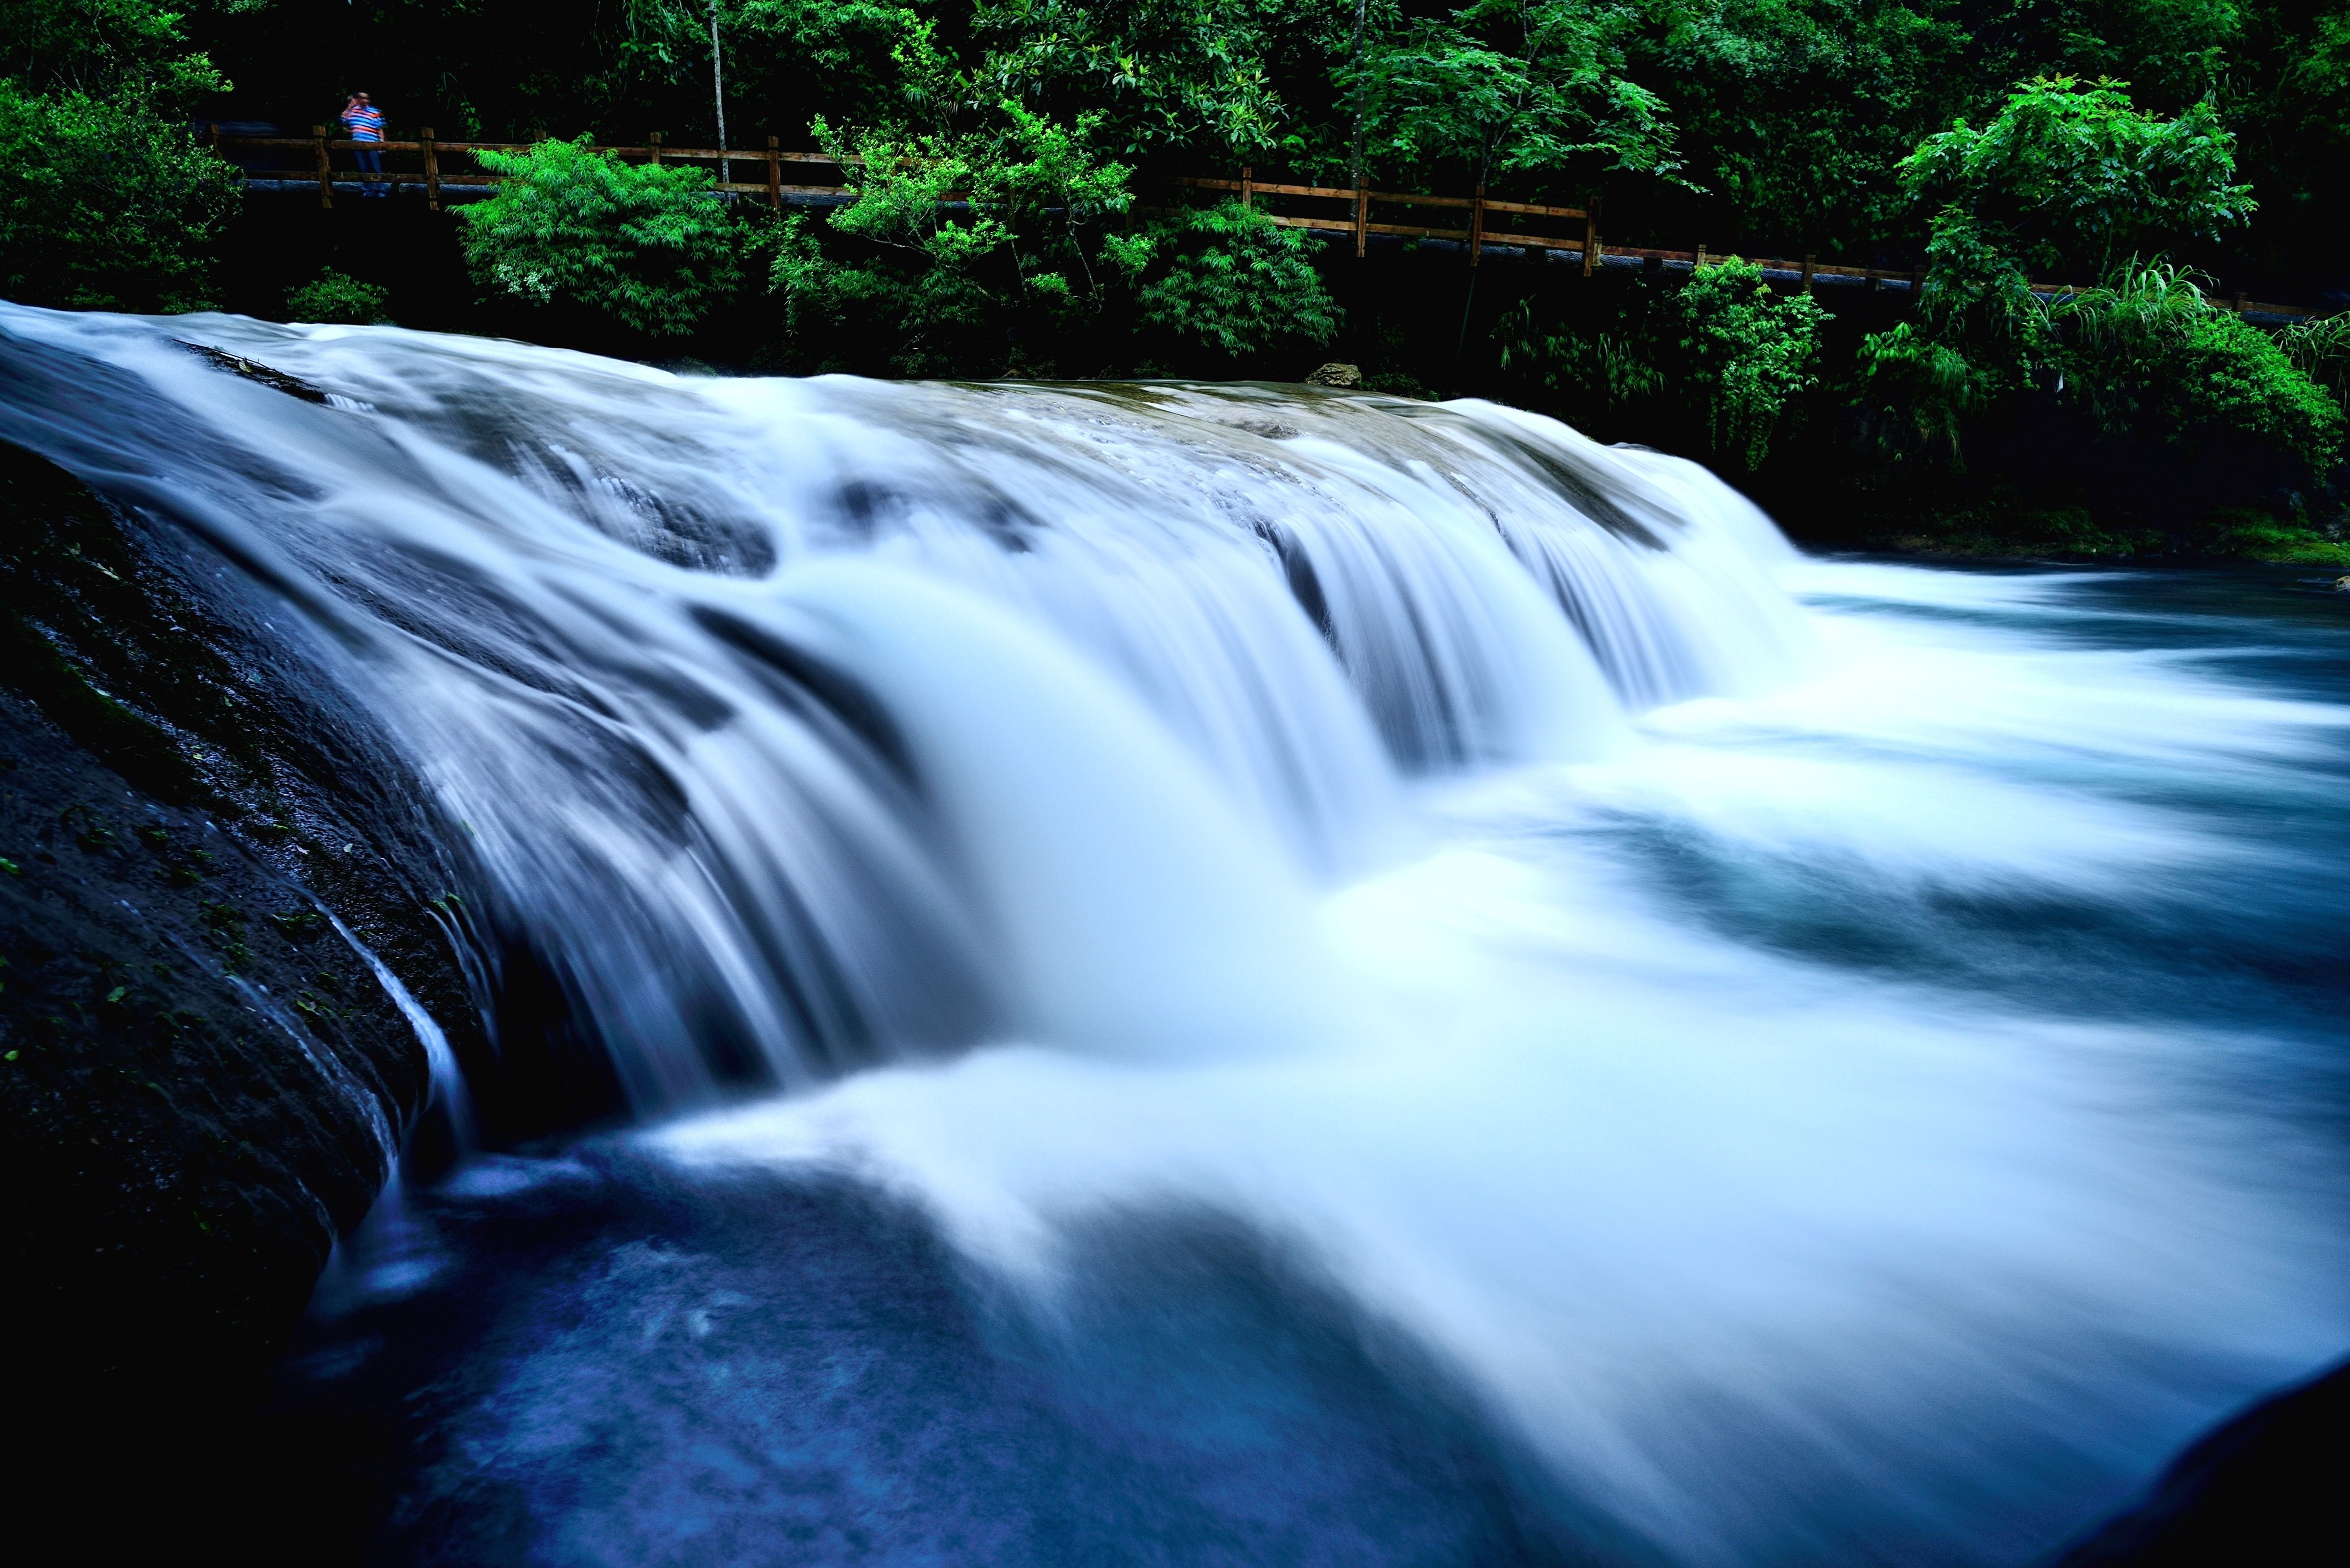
(1572, 234)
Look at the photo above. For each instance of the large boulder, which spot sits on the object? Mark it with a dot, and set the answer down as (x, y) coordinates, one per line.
(204, 1076)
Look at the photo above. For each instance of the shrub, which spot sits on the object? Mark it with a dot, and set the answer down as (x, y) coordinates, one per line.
(889, 312)
(1748, 352)
(1597, 381)
(104, 205)
(991, 244)
(1930, 385)
(331, 296)
(2071, 172)
(1237, 283)
(1710, 367)
(645, 245)
(2148, 354)
(2320, 347)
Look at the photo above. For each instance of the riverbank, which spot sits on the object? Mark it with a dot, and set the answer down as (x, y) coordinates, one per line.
(1994, 533)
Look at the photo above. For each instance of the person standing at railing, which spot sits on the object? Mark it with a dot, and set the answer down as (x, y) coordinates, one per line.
(366, 124)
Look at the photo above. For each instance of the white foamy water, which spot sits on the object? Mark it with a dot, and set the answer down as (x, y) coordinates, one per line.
(1713, 1003)
(1776, 1261)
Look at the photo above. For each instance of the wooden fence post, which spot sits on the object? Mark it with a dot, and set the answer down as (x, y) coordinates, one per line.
(432, 170)
(1590, 243)
(775, 173)
(1477, 224)
(1248, 184)
(1699, 265)
(326, 169)
(1811, 260)
(654, 147)
(1362, 214)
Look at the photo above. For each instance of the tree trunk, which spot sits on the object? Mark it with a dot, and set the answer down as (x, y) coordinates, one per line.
(718, 98)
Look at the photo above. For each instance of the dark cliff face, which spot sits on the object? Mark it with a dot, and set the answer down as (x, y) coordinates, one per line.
(201, 1080)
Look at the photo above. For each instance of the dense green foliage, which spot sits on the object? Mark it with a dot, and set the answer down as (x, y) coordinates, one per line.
(340, 299)
(1236, 284)
(1008, 212)
(105, 202)
(640, 244)
(1750, 353)
(2069, 174)
(1511, 87)
(959, 246)
(2149, 355)
(1716, 365)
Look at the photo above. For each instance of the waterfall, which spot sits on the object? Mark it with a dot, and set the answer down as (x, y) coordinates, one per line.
(797, 726)
(1293, 975)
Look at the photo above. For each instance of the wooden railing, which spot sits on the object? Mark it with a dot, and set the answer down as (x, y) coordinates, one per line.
(435, 179)
(1361, 200)
(1476, 236)
(1360, 204)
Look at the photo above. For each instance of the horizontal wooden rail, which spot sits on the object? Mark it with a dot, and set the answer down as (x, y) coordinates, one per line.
(1494, 206)
(1359, 203)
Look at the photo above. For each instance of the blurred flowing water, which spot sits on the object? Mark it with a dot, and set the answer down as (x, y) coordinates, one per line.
(1232, 974)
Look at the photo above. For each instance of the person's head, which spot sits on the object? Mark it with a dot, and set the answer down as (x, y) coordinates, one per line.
(360, 98)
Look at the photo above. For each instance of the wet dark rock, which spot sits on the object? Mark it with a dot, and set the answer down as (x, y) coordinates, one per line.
(254, 370)
(201, 1080)
(2267, 1486)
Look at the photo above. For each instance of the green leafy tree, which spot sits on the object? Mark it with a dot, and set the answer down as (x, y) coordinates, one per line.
(2315, 88)
(2069, 172)
(105, 201)
(2149, 356)
(104, 206)
(1715, 367)
(645, 245)
(951, 237)
(1748, 354)
(1161, 76)
(125, 51)
(2175, 51)
(862, 62)
(1236, 286)
(1981, 337)
(1513, 84)
(1793, 113)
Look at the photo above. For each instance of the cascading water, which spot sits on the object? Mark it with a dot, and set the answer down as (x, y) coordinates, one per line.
(1413, 835)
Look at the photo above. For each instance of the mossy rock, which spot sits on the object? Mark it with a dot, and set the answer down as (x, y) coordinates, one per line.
(201, 1083)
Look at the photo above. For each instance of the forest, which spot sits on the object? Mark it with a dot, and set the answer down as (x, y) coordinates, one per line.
(1013, 213)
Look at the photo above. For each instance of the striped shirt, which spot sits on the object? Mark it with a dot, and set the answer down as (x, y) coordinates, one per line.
(366, 122)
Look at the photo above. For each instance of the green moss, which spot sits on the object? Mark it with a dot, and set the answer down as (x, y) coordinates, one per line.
(2257, 535)
(131, 745)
